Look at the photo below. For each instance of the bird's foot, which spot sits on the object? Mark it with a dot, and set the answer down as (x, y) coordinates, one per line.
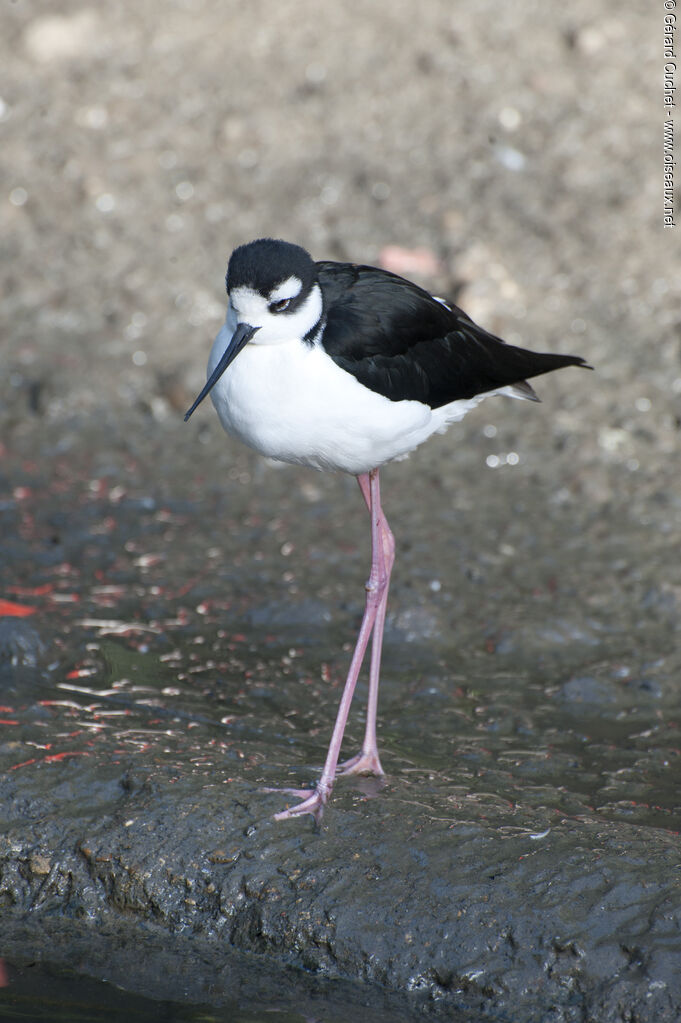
(313, 802)
(364, 763)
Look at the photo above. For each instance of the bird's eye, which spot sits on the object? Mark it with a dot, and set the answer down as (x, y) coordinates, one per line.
(279, 306)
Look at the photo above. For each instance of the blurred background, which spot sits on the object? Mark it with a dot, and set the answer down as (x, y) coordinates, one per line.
(518, 145)
(508, 156)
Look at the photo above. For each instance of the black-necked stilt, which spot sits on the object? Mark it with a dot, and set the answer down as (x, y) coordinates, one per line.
(347, 367)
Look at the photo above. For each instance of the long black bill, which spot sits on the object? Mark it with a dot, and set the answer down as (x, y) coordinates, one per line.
(241, 336)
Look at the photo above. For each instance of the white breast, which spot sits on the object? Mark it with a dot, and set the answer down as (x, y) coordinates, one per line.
(292, 402)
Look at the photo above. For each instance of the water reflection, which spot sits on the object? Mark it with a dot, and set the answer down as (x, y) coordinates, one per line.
(230, 706)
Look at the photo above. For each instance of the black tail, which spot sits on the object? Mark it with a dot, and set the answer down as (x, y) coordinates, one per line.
(478, 362)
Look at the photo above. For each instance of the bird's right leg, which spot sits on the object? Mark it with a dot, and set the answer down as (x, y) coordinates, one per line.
(376, 590)
(382, 560)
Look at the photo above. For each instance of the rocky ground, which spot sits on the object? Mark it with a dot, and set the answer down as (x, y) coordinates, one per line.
(177, 613)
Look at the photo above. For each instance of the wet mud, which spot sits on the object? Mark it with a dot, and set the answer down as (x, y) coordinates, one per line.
(524, 846)
(177, 615)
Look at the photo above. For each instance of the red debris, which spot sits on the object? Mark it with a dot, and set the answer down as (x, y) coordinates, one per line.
(9, 609)
(183, 590)
(62, 756)
(50, 758)
(31, 591)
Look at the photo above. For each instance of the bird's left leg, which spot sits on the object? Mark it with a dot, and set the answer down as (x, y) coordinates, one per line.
(382, 560)
(376, 590)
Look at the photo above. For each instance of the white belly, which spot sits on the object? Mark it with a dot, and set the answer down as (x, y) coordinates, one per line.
(292, 402)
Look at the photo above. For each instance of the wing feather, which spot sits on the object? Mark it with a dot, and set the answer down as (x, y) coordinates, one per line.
(398, 340)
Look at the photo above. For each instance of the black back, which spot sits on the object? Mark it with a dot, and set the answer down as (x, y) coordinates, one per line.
(398, 340)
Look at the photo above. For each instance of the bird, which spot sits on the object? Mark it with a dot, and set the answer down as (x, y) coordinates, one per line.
(345, 367)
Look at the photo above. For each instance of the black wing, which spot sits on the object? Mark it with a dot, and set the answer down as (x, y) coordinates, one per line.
(398, 340)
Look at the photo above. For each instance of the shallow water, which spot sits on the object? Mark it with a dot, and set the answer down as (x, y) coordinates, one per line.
(604, 738)
(37, 994)
(179, 986)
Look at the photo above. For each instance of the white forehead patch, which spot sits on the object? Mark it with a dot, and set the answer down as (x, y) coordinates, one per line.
(289, 288)
(249, 304)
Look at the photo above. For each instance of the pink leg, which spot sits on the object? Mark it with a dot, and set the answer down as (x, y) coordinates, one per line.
(367, 761)
(382, 557)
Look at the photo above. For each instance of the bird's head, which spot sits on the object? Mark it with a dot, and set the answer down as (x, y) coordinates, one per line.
(274, 297)
(272, 287)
